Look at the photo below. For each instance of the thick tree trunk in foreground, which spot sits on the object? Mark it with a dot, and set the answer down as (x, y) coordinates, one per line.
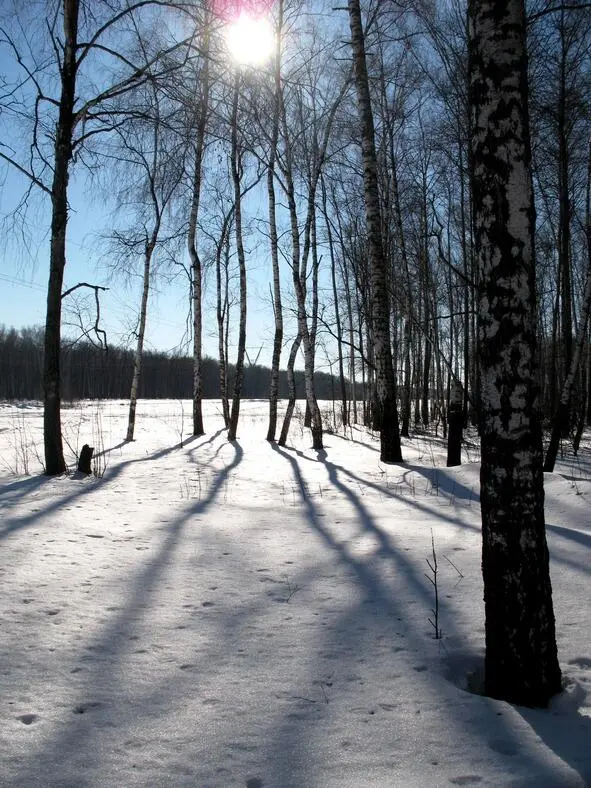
(391, 450)
(521, 664)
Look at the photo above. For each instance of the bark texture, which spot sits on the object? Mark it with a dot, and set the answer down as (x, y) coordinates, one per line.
(521, 664)
(391, 450)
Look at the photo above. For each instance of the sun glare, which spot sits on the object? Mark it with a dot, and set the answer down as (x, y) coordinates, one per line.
(250, 40)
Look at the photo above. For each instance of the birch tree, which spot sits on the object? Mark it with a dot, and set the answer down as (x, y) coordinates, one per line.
(277, 305)
(198, 150)
(154, 166)
(390, 447)
(521, 663)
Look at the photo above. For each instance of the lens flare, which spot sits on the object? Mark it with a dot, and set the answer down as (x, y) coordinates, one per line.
(250, 40)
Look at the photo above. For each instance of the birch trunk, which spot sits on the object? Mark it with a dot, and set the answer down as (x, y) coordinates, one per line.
(521, 664)
(236, 178)
(222, 308)
(291, 391)
(137, 358)
(337, 312)
(277, 305)
(52, 430)
(196, 274)
(391, 450)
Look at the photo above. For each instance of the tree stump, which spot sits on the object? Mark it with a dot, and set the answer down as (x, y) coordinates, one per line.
(85, 458)
(455, 422)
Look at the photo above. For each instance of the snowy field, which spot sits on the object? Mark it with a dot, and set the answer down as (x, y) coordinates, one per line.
(210, 614)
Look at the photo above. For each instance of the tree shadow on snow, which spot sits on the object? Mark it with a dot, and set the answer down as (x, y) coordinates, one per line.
(83, 485)
(441, 481)
(378, 615)
(100, 667)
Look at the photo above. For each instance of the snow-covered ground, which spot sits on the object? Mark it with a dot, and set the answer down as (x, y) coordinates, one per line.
(216, 614)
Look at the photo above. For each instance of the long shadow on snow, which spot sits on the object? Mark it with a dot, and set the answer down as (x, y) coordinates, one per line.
(441, 480)
(85, 486)
(411, 501)
(25, 486)
(113, 642)
(571, 533)
(377, 607)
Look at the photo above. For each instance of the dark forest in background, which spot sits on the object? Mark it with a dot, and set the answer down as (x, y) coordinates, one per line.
(91, 373)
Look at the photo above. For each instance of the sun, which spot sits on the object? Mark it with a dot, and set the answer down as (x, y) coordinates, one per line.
(250, 40)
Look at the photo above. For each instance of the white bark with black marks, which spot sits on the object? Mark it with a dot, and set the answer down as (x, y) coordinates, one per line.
(521, 663)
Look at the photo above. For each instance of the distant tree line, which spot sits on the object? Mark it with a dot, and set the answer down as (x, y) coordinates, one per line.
(90, 372)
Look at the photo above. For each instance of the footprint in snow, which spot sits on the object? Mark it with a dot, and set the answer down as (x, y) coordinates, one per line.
(28, 719)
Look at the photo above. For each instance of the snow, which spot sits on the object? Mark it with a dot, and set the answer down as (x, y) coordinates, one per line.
(216, 614)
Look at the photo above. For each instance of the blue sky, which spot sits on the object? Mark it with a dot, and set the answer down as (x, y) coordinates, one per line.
(24, 270)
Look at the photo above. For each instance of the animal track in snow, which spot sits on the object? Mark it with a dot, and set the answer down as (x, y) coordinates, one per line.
(28, 719)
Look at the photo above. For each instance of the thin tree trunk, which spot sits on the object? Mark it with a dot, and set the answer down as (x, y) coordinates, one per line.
(391, 450)
(196, 275)
(139, 349)
(291, 390)
(277, 305)
(222, 308)
(299, 275)
(314, 316)
(456, 423)
(521, 664)
(335, 295)
(564, 212)
(236, 177)
(351, 328)
(52, 430)
(562, 416)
